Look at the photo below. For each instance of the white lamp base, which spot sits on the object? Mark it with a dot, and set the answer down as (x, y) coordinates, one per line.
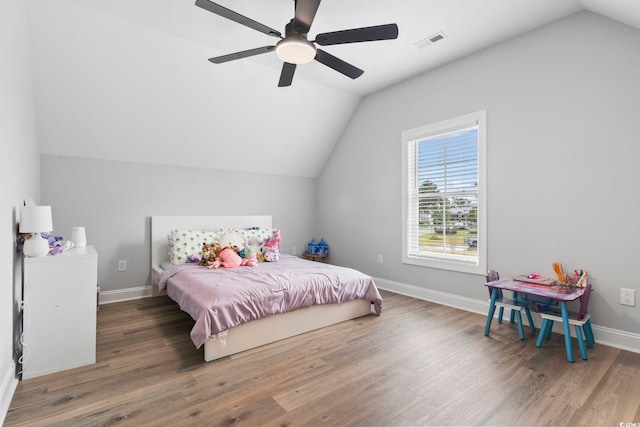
(36, 246)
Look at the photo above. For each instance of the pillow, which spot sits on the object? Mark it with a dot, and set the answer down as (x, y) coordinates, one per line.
(254, 234)
(183, 243)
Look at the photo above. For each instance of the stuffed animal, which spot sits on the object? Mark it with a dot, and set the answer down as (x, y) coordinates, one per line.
(251, 258)
(274, 240)
(271, 249)
(256, 245)
(57, 244)
(214, 255)
(229, 258)
(231, 240)
(210, 254)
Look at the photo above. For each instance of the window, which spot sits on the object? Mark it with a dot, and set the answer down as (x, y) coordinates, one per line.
(443, 194)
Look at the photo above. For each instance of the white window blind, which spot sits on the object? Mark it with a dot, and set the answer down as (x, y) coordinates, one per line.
(443, 195)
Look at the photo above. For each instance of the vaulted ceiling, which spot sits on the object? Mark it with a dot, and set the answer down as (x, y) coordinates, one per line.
(129, 80)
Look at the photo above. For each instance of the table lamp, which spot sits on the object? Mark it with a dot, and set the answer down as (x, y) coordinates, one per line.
(35, 219)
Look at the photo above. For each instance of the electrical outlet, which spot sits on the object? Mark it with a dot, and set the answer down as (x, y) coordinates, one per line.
(628, 297)
(122, 265)
(380, 259)
(294, 251)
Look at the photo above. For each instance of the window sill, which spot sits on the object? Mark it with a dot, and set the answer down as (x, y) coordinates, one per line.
(445, 265)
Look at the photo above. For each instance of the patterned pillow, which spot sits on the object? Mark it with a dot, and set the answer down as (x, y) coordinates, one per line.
(183, 243)
(251, 235)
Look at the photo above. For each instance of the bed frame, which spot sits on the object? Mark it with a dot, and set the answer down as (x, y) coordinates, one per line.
(257, 332)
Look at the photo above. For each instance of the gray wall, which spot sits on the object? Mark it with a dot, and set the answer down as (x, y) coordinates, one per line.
(563, 111)
(115, 200)
(21, 176)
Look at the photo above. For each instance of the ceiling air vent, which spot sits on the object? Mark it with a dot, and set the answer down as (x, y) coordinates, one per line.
(430, 40)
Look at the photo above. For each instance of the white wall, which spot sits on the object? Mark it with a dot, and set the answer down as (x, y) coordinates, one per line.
(102, 82)
(563, 107)
(115, 200)
(19, 163)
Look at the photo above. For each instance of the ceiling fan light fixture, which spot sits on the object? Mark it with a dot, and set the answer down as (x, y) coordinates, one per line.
(295, 50)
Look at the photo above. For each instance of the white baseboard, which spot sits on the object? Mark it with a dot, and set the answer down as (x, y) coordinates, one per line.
(616, 338)
(603, 335)
(107, 297)
(451, 300)
(7, 389)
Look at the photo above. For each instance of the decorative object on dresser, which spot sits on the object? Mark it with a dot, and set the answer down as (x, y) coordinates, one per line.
(35, 219)
(59, 319)
(78, 236)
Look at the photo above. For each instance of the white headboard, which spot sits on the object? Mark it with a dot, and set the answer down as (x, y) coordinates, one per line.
(161, 226)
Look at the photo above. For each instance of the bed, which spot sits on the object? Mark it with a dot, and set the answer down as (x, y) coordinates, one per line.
(234, 322)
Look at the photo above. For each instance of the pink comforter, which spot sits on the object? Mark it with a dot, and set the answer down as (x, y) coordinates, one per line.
(221, 299)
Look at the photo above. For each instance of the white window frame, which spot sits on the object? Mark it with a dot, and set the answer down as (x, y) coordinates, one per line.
(409, 139)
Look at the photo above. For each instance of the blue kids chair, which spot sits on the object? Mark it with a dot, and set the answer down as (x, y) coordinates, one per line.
(516, 307)
(581, 320)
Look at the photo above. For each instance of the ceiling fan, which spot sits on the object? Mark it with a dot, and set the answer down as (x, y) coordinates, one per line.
(294, 48)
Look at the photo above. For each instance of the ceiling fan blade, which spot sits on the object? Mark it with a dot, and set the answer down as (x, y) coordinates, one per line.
(243, 54)
(357, 35)
(338, 64)
(286, 76)
(236, 17)
(305, 12)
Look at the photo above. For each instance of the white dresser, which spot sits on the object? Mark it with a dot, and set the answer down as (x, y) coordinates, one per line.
(59, 319)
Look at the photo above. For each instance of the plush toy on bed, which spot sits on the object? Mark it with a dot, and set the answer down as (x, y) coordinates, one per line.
(232, 240)
(229, 258)
(215, 256)
(254, 244)
(250, 258)
(210, 254)
(271, 249)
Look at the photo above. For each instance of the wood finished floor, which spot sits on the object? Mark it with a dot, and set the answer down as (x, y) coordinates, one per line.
(420, 363)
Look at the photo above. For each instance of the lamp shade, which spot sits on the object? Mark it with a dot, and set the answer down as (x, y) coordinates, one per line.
(35, 219)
